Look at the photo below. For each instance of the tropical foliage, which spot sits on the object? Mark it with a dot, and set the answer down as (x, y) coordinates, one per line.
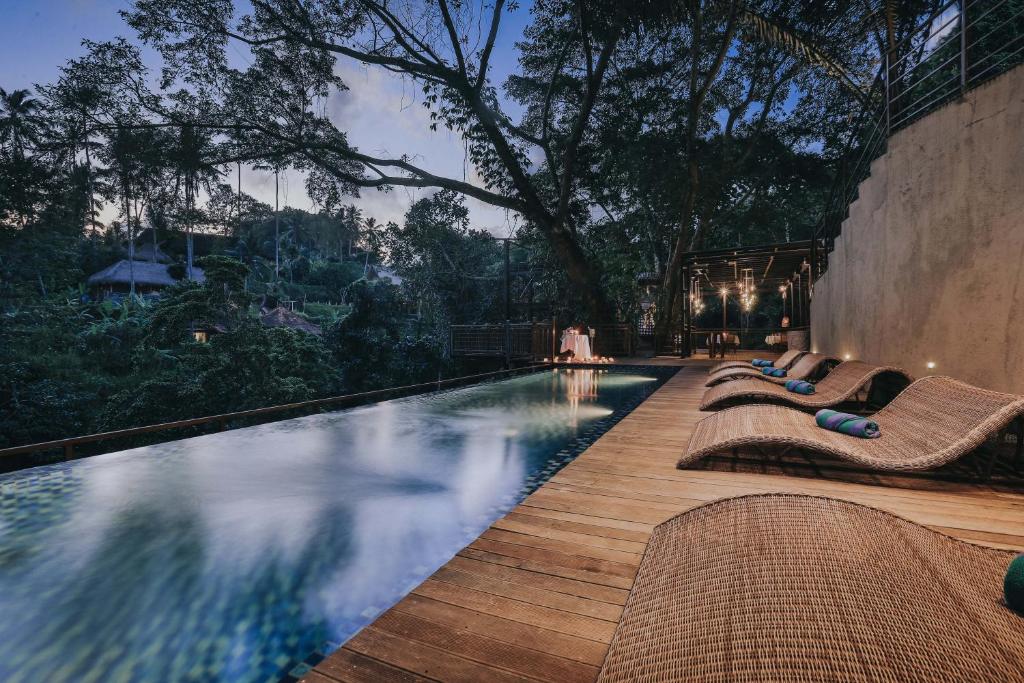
(626, 135)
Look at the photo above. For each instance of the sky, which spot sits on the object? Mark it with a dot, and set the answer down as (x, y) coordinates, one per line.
(381, 113)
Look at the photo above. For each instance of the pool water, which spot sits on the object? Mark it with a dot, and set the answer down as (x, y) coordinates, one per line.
(244, 555)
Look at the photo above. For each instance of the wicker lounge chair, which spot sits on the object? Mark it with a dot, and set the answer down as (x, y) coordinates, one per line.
(802, 589)
(841, 384)
(806, 366)
(783, 361)
(934, 421)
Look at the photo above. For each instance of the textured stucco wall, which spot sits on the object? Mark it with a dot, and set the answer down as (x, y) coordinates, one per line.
(930, 263)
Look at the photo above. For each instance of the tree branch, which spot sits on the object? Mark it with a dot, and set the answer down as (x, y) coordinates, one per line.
(492, 35)
(572, 147)
(453, 36)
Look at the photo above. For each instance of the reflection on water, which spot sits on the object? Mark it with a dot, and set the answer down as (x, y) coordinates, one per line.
(234, 556)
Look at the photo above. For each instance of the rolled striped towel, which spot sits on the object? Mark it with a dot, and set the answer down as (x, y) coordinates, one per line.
(798, 386)
(845, 423)
(773, 372)
(761, 363)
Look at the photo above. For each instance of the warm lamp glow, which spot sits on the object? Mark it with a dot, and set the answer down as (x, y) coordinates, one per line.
(847, 357)
(930, 364)
(724, 291)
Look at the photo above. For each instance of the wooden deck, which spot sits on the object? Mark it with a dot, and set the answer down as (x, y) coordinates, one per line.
(538, 595)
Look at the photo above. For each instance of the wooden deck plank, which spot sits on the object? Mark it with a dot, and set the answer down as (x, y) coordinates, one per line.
(517, 610)
(537, 596)
(529, 594)
(505, 630)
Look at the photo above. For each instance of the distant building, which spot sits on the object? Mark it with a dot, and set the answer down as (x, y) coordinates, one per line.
(282, 317)
(150, 277)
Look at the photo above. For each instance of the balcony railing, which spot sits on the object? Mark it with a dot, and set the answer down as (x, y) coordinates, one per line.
(960, 46)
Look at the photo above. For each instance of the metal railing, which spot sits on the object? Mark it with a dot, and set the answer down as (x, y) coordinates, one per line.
(516, 341)
(960, 46)
(747, 338)
(503, 340)
(249, 417)
(613, 340)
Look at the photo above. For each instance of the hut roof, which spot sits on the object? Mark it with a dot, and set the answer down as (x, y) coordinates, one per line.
(147, 274)
(145, 252)
(282, 317)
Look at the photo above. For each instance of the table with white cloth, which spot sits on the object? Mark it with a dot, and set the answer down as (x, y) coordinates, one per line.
(579, 344)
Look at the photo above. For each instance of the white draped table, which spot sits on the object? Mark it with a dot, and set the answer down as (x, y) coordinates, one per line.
(579, 344)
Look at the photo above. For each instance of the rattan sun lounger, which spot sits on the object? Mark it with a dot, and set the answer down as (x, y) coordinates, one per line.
(934, 421)
(802, 589)
(841, 384)
(783, 361)
(804, 367)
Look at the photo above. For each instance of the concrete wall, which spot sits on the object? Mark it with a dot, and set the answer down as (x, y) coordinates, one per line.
(930, 263)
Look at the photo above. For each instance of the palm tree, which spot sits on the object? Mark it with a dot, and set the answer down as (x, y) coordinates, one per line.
(190, 160)
(18, 124)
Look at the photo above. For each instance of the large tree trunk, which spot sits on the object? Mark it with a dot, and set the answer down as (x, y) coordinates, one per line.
(582, 276)
(698, 94)
(686, 241)
(91, 217)
(189, 202)
(131, 244)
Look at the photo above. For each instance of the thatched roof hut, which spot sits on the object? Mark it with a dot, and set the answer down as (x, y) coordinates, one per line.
(282, 317)
(147, 275)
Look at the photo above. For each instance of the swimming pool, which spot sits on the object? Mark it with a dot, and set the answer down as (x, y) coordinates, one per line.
(237, 556)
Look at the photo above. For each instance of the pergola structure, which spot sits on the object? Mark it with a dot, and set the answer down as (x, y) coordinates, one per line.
(746, 272)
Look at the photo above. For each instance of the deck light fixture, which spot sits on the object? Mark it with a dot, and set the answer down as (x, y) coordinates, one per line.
(930, 365)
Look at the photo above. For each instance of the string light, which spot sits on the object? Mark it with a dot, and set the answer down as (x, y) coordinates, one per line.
(748, 291)
(696, 302)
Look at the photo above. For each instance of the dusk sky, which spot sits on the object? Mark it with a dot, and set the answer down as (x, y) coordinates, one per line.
(381, 114)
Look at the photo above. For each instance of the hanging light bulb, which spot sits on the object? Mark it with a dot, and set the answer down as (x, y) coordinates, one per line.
(748, 291)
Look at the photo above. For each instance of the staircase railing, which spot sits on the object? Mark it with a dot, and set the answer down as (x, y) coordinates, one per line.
(957, 48)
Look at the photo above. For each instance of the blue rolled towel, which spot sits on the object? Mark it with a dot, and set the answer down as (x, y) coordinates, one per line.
(798, 386)
(761, 363)
(845, 423)
(773, 372)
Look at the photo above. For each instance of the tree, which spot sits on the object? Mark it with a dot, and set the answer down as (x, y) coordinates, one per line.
(190, 158)
(267, 111)
(453, 270)
(18, 122)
